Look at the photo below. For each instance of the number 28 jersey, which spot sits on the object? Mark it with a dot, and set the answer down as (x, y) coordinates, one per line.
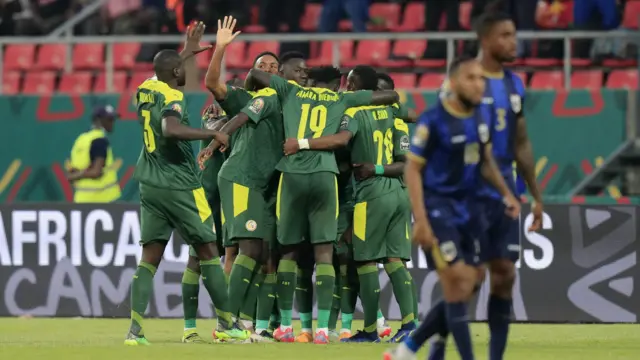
(163, 163)
(311, 113)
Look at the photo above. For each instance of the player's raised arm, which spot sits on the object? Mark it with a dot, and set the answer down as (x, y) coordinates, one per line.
(491, 172)
(191, 49)
(224, 37)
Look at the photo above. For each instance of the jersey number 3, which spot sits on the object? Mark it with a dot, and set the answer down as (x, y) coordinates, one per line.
(148, 136)
(316, 118)
(385, 145)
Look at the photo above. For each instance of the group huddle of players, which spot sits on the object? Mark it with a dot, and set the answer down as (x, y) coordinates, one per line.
(299, 177)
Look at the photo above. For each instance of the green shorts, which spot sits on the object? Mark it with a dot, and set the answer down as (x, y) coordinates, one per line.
(307, 208)
(345, 218)
(381, 227)
(186, 211)
(213, 198)
(243, 212)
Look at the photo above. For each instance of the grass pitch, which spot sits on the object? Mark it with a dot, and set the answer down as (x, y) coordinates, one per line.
(94, 339)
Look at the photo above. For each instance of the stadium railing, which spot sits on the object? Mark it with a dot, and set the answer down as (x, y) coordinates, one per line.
(450, 37)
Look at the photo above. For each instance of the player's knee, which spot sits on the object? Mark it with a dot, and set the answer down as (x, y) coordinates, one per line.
(323, 253)
(458, 282)
(251, 248)
(503, 275)
(392, 260)
(206, 251)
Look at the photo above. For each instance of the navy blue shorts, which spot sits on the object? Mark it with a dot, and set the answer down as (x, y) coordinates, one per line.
(458, 230)
(502, 233)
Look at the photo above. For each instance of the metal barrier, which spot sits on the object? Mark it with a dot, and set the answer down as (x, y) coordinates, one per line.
(449, 37)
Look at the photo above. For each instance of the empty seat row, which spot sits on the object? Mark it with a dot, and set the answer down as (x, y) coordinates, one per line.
(45, 82)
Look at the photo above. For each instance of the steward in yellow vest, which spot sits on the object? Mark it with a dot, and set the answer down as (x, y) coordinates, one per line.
(92, 171)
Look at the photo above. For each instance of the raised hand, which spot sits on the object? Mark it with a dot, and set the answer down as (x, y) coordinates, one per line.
(194, 36)
(225, 33)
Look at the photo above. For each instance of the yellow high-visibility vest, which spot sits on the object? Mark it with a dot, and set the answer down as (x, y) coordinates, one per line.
(103, 189)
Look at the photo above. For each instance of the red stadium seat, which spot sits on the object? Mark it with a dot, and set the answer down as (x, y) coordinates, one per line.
(256, 48)
(413, 18)
(124, 55)
(587, 79)
(431, 81)
(412, 49)
(431, 63)
(39, 83)
(404, 80)
(370, 52)
(88, 57)
(620, 63)
(631, 14)
(547, 80)
(623, 79)
(119, 82)
(11, 83)
(311, 17)
(389, 12)
(138, 78)
(465, 15)
(51, 57)
(523, 76)
(19, 57)
(75, 83)
(234, 54)
(537, 62)
(325, 56)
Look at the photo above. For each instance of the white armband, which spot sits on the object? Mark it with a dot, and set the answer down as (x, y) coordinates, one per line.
(303, 144)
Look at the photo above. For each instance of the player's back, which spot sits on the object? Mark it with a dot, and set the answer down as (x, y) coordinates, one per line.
(378, 138)
(163, 162)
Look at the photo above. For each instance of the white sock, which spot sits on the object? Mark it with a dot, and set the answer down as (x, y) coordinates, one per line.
(381, 321)
(326, 330)
(307, 330)
(286, 327)
(185, 329)
(247, 324)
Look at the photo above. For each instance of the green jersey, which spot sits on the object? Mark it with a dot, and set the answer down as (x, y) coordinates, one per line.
(163, 163)
(312, 113)
(378, 138)
(345, 178)
(209, 176)
(258, 146)
(232, 104)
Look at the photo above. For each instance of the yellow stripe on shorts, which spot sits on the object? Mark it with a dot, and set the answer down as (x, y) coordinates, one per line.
(240, 199)
(204, 211)
(278, 195)
(360, 220)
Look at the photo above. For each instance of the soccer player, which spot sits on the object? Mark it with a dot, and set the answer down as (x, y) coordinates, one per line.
(450, 152)
(307, 207)
(381, 213)
(171, 195)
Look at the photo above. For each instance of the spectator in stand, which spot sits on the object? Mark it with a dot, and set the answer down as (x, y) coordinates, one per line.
(333, 10)
(119, 17)
(274, 13)
(594, 15)
(49, 14)
(434, 12)
(8, 10)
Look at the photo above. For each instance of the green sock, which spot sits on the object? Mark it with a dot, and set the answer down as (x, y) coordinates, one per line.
(369, 295)
(348, 298)
(414, 292)
(335, 304)
(190, 289)
(304, 297)
(213, 279)
(285, 289)
(325, 283)
(239, 282)
(248, 309)
(141, 288)
(266, 298)
(274, 319)
(402, 289)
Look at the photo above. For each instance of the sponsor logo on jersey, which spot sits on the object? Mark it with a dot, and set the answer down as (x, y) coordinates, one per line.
(404, 143)
(448, 251)
(516, 103)
(483, 133)
(256, 106)
(176, 107)
(251, 225)
(345, 122)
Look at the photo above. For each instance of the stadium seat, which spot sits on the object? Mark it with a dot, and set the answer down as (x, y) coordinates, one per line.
(234, 54)
(119, 82)
(623, 79)
(325, 55)
(138, 78)
(547, 80)
(587, 79)
(631, 14)
(51, 57)
(431, 81)
(39, 83)
(19, 57)
(620, 63)
(541, 62)
(124, 55)
(405, 52)
(256, 48)
(11, 83)
(465, 15)
(88, 57)
(404, 80)
(389, 12)
(370, 52)
(311, 17)
(431, 63)
(412, 19)
(576, 62)
(75, 83)
(523, 76)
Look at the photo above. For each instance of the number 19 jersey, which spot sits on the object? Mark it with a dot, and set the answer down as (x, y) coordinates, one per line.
(378, 138)
(311, 113)
(163, 163)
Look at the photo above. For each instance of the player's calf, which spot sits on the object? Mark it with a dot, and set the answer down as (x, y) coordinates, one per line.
(190, 289)
(502, 277)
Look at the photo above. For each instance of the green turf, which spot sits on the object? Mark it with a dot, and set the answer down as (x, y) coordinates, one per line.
(67, 339)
